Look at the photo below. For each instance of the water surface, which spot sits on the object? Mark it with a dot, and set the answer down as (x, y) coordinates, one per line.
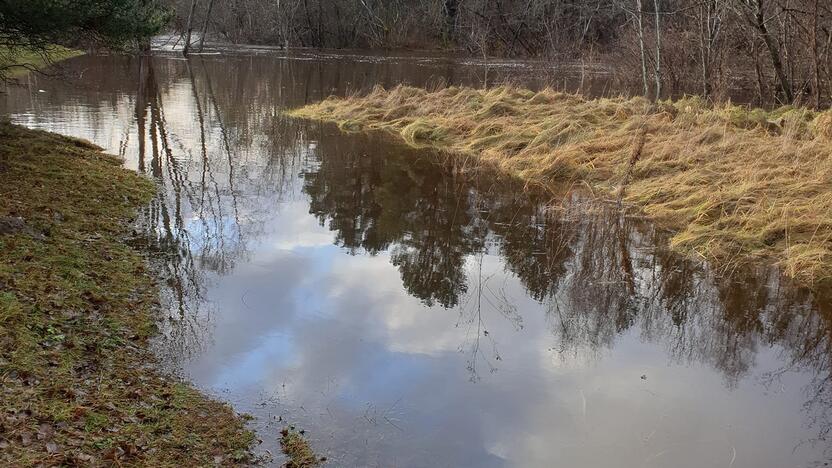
(408, 309)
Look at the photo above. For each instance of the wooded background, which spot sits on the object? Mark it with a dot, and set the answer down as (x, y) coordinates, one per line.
(779, 50)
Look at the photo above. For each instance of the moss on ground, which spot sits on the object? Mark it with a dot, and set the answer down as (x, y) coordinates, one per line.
(76, 312)
(735, 184)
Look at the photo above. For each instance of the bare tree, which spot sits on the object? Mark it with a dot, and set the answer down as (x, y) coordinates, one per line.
(754, 12)
(710, 14)
(780, 48)
(637, 16)
(816, 91)
(658, 58)
(188, 28)
(205, 24)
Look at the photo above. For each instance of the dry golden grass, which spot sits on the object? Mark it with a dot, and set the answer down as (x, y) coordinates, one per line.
(733, 183)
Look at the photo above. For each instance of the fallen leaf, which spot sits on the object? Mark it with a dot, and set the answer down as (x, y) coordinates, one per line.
(130, 450)
(45, 432)
(52, 448)
(113, 453)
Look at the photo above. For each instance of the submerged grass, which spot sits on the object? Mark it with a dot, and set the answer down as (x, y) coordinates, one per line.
(76, 312)
(735, 184)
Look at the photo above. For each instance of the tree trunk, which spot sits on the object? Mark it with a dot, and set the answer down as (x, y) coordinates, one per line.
(189, 28)
(640, 21)
(284, 19)
(704, 50)
(205, 24)
(761, 92)
(658, 71)
(710, 23)
(451, 9)
(815, 59)
(785, 84)
(144, 42)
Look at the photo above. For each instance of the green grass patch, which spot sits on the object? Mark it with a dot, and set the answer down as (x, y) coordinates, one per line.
(76, 312)
(17, 62)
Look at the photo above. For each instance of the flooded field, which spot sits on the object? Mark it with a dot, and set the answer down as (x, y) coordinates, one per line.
(406, 309)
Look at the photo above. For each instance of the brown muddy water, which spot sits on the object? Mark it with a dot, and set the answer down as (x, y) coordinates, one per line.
(406, 310)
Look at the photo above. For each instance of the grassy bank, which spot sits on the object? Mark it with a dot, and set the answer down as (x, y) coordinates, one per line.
(76, 313)
(734, 184)
(15, 63)
(298, 450)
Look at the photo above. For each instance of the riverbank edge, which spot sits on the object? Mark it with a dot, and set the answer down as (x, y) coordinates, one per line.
(78, 306)
(297, 449)
(25, 61)
(707, 173)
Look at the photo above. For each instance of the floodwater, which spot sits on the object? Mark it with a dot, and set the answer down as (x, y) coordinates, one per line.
(407, 309)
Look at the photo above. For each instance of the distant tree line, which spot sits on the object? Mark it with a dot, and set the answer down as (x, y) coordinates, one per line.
(778, 49)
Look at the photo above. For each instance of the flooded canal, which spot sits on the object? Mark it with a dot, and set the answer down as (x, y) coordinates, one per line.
(406, 309)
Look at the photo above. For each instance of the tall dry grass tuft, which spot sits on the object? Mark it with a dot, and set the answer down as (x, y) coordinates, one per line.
(732, 182)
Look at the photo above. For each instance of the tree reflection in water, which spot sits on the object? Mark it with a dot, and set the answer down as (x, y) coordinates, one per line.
(600, 274)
